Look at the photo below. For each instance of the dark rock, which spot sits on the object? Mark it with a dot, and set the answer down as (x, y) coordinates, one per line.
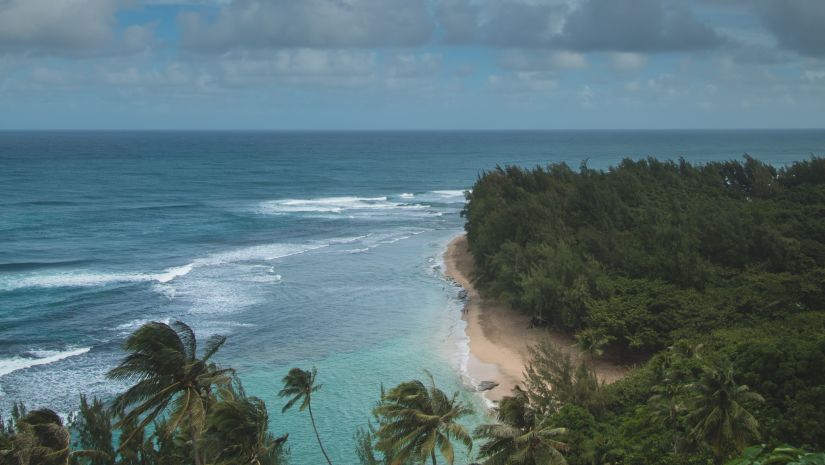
(462, 294)
(539, 322)
(486, 386)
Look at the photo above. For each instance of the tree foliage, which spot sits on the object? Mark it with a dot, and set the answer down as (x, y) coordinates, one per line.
(714, 273)
(652, 251)
(419, 420)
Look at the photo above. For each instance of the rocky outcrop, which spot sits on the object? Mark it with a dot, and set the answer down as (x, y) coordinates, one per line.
(486, 386)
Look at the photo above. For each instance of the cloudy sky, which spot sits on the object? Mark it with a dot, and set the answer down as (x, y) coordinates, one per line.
(412, 64)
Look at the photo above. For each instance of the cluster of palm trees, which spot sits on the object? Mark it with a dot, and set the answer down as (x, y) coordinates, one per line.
(703, 404)
(182, 408)
(418, 422)
(522, 436)
(39, 437)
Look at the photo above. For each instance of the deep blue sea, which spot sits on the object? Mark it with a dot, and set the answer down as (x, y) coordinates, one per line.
(305, 248)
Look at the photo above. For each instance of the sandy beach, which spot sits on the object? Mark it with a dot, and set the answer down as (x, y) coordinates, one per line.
(500, 336)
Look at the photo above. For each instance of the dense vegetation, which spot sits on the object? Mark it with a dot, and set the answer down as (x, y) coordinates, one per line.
(716, 273)
(184, 409)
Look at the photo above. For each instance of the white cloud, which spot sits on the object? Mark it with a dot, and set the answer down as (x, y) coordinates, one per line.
(813, 75)
(582, 25)
(406, 65)
(632, 86)
(138, 38)
(259, 24)
(523, 84)
(172, 76)
(533, 60)
(56, 25)
(625, 61)
(586, 96)
(51, 76)
(254, 71)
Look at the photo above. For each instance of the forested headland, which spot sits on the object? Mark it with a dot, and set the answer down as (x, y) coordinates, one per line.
(711, 276)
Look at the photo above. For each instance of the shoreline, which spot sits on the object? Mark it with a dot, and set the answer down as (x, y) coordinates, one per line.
(499, 336)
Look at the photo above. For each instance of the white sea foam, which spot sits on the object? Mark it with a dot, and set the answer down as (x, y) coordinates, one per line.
(438, 197)
(349, 240)
(395, 239)
(175, 272)
(165, 289)
(135, 324)
(131, 326)
(43, 357)
(336, 205)
(354, 251)
(268, 277)
(263, 252)
(78, 279)
(450, 193)
(407, 196)
(90, 279)
(462, 354)
(258, 252)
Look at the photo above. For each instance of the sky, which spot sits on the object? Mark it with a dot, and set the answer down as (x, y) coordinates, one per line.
(412, 64)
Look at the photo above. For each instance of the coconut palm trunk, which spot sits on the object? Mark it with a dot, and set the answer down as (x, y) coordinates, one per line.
(195, 453)
(298, 386)
(318, 436)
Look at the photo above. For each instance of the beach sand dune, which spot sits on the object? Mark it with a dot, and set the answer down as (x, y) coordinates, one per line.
(500, 336)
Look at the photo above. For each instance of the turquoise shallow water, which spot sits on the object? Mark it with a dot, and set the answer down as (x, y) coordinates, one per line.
(304, 248)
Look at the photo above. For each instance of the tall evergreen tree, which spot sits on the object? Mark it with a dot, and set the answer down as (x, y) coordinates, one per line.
(93, 425)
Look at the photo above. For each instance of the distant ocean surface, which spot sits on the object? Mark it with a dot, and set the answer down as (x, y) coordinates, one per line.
(305, 248)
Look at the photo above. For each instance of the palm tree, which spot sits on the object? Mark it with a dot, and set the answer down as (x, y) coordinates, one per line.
(717, 414)
(782, 455)
(40, 438)
(300, 384)
(163, 362)
(666, 409)
(416, 420)
(591, 342)
(237, 430)
(520, 437)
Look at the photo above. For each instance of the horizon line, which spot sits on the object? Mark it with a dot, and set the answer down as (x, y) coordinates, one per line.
(404, 129)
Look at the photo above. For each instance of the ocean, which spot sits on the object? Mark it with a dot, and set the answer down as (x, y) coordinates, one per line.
(304, 248)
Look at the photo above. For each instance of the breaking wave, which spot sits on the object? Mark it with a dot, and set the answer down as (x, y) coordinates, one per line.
(43, 357)
(82, 278)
